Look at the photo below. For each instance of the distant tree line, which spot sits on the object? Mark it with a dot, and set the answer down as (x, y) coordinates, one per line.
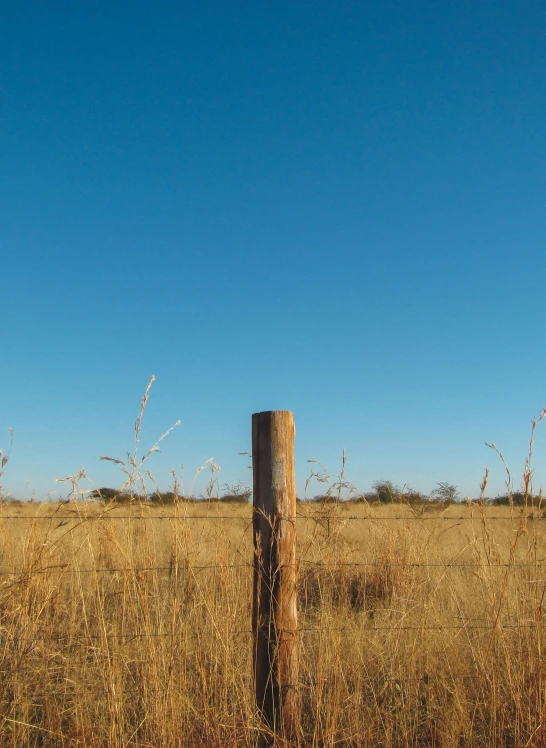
(383, 492)
(386, 492)
(518, 498)
(237, 494)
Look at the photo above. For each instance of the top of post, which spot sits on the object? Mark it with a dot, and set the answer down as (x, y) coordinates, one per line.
(268, 412)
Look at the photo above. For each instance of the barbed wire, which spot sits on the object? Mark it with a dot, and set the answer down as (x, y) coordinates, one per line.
(419, 564)
(317, 518)
(442, 518)
(94, 518)
(384, 681)
(438, 627)
(181, 633)
(393, 680)
(317, 565)
(136, 569)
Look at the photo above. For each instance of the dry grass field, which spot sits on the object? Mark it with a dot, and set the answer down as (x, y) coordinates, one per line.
(130, 625)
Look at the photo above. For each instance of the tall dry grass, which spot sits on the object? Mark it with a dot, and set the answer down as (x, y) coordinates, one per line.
(120, 629)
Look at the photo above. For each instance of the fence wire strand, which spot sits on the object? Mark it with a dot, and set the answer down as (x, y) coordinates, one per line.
(182, 634)
(318, 518)
(318, 565)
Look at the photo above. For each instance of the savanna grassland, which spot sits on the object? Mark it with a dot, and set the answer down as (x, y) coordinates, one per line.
(130, 625)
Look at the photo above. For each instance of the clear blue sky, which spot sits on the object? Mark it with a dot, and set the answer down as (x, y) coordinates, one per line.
(335, 208)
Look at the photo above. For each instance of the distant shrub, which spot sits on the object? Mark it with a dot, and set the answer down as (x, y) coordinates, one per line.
(237, 494)
(385, 491)
(169, 497)
(518, 499)
(236, 498)
(413, 497)
(445, 492)
(357, 499)
(104, 494)
(11, 501)
(113, 494)
(324, 499)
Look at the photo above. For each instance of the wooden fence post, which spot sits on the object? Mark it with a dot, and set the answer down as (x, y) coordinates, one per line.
(274, 614)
